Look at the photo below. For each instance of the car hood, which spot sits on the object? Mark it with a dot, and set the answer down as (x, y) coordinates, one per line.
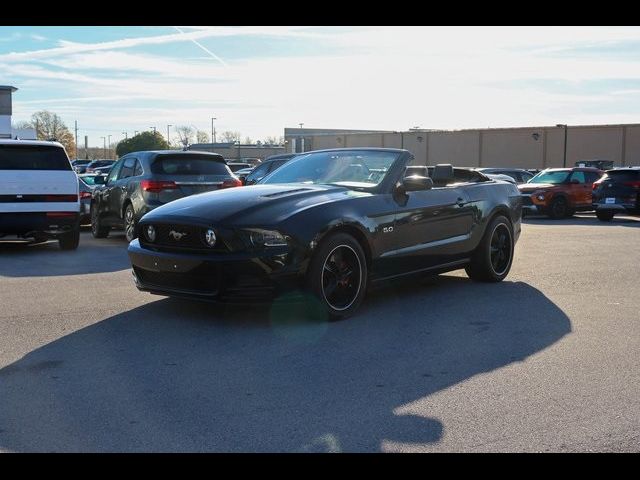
(250, 206)
(532, 187)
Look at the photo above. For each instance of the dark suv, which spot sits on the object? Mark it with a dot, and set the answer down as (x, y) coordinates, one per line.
(618, 191)
(142, 181)
(267, 166)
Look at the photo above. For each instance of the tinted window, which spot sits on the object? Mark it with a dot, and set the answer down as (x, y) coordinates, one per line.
(526, 176)
(591, 176)
(578, 176)
(623, 175)
(114, 171)
(276, 164)
(33, 157)
(127, 168)
(259, 172)
(138, 169)
(189, 165)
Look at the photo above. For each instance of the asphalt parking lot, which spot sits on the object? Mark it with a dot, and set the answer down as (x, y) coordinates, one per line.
(545, 361)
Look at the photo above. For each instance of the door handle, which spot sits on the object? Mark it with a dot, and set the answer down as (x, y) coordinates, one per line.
(460, 202)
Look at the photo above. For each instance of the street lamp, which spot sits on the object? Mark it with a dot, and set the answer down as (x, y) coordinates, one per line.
(125, 135)
(154, 130)
(135, 132)
(301, 124)
(213, 130)
(109, 143)
(168, 139)
(104, 146)
(565, 126)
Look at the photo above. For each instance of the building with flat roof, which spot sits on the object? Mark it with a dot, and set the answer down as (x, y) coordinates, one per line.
(520, 147)
(5, 110)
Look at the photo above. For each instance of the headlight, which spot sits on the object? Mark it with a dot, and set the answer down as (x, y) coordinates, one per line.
(265, 238)
(150, 232)
(540, 196)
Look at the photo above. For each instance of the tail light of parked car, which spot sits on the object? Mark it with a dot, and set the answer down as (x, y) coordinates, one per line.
(85, 195)
(156, 186)
(231, 183)
(597, 183)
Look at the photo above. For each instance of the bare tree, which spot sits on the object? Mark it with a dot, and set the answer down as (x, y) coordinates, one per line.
(202, 136)
(229, 136)
(49, 126)
(185, 133)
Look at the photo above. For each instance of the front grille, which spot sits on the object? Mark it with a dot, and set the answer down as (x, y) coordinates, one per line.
(202, 283)
(526, 200)
(184, 237)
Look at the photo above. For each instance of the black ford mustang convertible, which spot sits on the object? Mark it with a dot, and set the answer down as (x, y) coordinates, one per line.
(330, 223)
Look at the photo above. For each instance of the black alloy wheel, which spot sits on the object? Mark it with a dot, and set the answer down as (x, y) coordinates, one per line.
(501, 248)
(341, 277)
(129, 223)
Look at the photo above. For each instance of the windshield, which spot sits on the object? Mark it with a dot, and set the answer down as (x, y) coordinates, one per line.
(348, 168)
(557, 176)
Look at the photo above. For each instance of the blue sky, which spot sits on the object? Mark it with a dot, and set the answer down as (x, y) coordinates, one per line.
(258, 80)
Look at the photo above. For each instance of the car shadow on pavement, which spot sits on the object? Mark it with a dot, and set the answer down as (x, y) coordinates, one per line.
(29, 259)
(175, 375)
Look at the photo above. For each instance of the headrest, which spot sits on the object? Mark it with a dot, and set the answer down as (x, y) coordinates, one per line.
(420, 170)
(442, 171)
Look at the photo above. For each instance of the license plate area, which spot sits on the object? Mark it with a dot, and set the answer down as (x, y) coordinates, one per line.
(610, 200)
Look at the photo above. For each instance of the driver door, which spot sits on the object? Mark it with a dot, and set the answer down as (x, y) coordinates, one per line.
(431, 227)
(108, 192)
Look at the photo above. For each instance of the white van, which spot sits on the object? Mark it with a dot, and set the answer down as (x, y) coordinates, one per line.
(38, 192)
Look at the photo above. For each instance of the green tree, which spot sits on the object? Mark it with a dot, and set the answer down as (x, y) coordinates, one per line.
(142, 141)
(49, 126)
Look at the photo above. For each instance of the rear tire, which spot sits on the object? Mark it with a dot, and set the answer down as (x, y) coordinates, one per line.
(71, 240)
(338, 275)
(604, 215)
(559, 208)
(492, 258)
(97, 229)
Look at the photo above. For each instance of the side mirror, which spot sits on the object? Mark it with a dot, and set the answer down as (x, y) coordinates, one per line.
(99, 180)
(414, 183)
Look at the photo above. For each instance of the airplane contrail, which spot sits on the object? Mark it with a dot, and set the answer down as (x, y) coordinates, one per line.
(204, 48)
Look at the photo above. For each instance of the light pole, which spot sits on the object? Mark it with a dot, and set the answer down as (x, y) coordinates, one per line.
(104, 146)
(154, 130)
(109, 143)
(564, 158)
(125, 135)
(168, 139)
(213, 130)
(301, 124)
(135, 132)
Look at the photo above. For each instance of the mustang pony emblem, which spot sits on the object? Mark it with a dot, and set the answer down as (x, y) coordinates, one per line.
(177, 235)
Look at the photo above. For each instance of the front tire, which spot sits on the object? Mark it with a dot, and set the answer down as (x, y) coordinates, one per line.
(130, 223)
(71, 240)
(338, 275)
(492, 258)
(604, 215)
(559, 208)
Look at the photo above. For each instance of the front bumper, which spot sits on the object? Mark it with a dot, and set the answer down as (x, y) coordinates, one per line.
(246, 276)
